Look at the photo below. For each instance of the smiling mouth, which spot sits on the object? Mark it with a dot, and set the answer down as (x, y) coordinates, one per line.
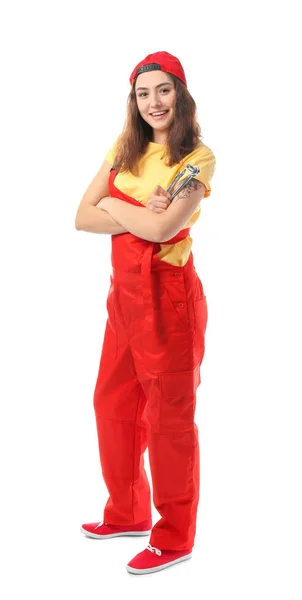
(159, 116)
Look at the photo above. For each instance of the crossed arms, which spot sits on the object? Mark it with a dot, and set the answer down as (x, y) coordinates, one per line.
(112, 215)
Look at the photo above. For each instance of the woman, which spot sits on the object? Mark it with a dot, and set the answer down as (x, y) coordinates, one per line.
(145, 394)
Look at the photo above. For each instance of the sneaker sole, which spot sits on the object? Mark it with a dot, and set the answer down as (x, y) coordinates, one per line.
(159, 568)
(112, 535)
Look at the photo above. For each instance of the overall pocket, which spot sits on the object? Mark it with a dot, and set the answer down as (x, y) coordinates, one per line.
(174, 301)
(173, 447)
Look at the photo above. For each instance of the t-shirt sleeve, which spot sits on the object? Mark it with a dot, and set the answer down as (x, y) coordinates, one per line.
(110, 155)
(204, 158)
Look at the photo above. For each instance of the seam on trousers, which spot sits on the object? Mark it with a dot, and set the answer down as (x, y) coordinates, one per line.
(134, 452)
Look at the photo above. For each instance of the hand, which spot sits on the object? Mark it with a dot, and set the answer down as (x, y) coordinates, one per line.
(158, 201)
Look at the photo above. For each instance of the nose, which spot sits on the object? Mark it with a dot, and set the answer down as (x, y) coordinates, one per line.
(154, 101)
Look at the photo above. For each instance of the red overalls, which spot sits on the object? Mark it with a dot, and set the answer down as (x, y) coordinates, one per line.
(145, 394)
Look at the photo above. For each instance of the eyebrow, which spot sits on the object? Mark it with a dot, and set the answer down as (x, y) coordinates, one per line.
(157, 86)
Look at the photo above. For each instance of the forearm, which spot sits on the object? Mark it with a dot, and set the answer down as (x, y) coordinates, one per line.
(138, 220)
(96, 220)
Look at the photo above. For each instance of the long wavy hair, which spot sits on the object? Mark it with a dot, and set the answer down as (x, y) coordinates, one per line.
(183, 136)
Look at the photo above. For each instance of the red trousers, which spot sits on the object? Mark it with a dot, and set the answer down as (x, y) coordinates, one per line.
(145, 394)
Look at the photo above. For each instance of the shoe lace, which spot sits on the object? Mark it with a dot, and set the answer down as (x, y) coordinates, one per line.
(153, 549)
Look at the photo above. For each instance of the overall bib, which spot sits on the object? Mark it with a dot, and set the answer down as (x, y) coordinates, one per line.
(145, 393)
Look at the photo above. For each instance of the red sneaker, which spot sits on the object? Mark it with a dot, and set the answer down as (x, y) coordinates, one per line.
(104, 530)
(152, 559)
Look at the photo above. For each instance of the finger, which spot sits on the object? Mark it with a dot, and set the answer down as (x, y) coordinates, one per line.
(163, 193)
(159, 190)
(161, 204)
(167, 195)
(162, 199)
(156, 189)
(159, 210)
(158, 205)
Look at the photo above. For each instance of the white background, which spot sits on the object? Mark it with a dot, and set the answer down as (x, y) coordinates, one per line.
(65, 80)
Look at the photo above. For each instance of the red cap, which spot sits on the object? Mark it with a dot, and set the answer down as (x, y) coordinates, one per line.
(161, 61)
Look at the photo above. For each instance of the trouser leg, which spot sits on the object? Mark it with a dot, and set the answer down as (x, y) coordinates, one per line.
(173, 352)
(119, 402)
(173, 449)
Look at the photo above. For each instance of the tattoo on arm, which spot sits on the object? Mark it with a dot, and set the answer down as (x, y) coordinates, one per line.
(193, 185)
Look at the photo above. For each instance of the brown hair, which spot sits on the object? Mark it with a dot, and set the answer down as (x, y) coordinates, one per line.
(183, 136)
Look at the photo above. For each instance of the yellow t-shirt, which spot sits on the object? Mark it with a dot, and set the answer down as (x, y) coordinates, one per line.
(152, 172)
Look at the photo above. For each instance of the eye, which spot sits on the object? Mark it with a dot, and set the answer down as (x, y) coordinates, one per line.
(162, 90)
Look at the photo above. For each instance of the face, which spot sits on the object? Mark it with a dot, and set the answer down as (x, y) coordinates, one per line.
(155, 92)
